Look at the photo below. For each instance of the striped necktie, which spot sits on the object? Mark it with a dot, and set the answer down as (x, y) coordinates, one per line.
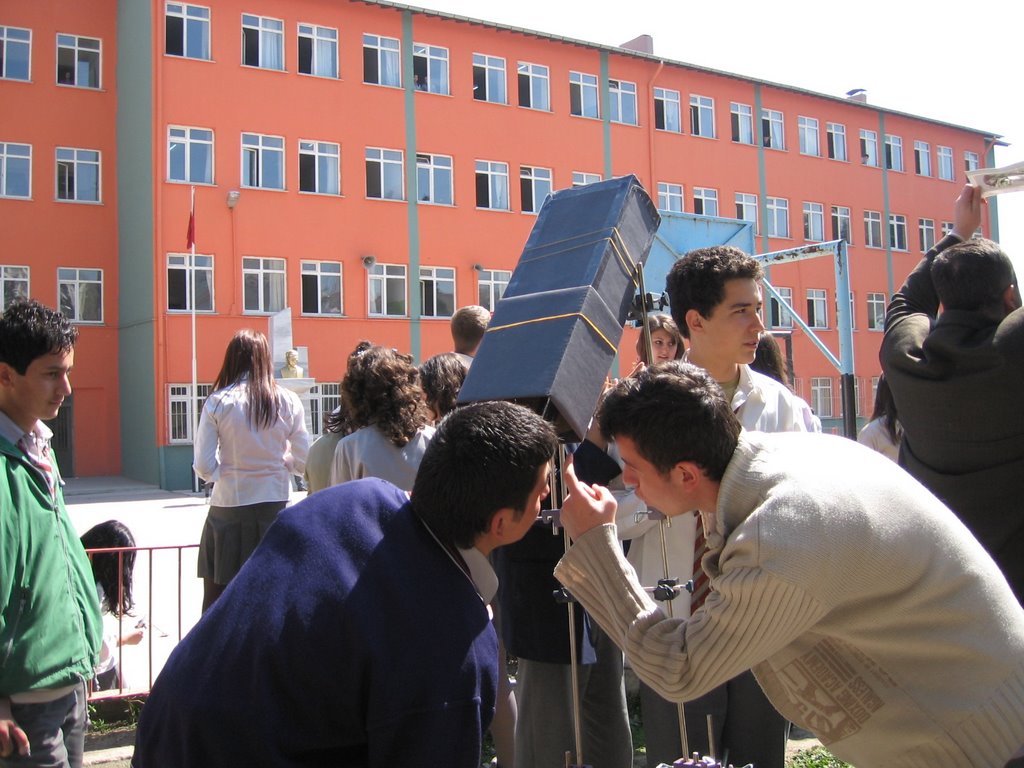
(39, 455)
(701, 583)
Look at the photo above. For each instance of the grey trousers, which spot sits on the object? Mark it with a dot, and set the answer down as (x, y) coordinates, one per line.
(743, 720)
(55, 730)
(544, 730)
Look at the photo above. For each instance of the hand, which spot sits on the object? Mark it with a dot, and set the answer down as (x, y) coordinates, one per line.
(967, 212)
(12, 738)
(585, 507)
(133, 637)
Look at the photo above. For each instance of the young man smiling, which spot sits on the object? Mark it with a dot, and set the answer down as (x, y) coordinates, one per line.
(49, 615)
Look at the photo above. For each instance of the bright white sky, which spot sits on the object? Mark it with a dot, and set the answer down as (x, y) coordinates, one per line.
(958, 64)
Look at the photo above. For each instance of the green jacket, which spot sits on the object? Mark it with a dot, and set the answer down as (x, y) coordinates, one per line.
(50, 627)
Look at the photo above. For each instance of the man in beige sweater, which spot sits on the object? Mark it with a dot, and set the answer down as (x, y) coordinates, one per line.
(866, 610)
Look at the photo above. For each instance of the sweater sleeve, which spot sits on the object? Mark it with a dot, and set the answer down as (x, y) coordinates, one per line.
(751, 615)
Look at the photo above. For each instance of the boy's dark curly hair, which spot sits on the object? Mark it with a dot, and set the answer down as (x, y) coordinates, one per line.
(382, 388)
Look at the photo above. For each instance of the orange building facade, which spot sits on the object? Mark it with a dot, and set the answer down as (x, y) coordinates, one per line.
(371, 167)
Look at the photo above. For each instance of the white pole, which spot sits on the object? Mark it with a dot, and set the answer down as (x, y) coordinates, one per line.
(195, 386)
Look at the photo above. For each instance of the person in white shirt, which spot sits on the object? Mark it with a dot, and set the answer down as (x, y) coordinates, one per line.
(884, 432)
(251, 439)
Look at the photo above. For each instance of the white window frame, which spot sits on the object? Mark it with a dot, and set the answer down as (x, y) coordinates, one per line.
(183, 410)
(705, 201)
(898, 232)
(835, 135)
(183, 263)
(76, 159)
(869, 148)
(489, 80)
(667, 111)
(582, 178)
(622, 106)
(814, 222)
(382, 164)
(266, 269)
(81, 48)
(388, 60)
(195, 20)
(842, 224)
(385, 280)
(257, 148)
(491, 285)
(893, 152)
(323, 399)
(821, 397)
(773, 129)
(496, 173)
(78, 279)
(926, 234)
(189, 139)
(810, 140)
(947, 227)
(817, 308)
(433, 61)
(15, 281)
(320, 276)
(269, 41)
(778, 315)
(326, 157)
(746, 208)
(582, 86)
(323, 50)
(702, 116)
(670, 197)
(876, 304)
(922, 158)
(777, 216)
(972, 161)
(535, 184)
(435, 179)
(944, 162)
(533, 82)
(433, 281)
(15, 37)
(742, 122)
(19, 154)
(872, 229)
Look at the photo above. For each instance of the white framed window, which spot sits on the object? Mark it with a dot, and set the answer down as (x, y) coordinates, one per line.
(922, 158)
(78, 61)
(386, 284)
(876, 311)
(926, 233)
(430, 68)
(262, 42)
(434, 179)
(534, 86)
(78, 175)
(319, 167)
(381, 61)
(582, 178)
(835, 137)
(947, 227)
(15, 53)
(187, 31)
(263, 284)
(181, 271)
(821, 397)
(15, 170)
(772, 129)
(814, 222)
(622, 102)
(702, 116)
(777, 214)
(841, 229)
(534, 185)
(944, 156)
(808, 130)
(437, 291)
(491, 285)
(321, 288)
(817, 308)
(318, 50)
(670, 197)
(80, 294)
(898, 231)
(742, 118)
(778, 315)
(583, 101)
(492, 185)
(893, 152)
(262, 161)
(971, 161)
(868, 147)
(746, 208)
(189, 154)
(489, 78)
(14, 283)
(853, 310)
(705, 201)
(667, 115)
(324, 398)
(872, 229)
(183, 410)
(385, 174)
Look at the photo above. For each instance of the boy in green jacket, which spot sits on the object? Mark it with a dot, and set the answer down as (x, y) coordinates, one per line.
(49, 615)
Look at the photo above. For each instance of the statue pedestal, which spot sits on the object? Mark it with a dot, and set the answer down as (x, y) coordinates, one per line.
(301, 388)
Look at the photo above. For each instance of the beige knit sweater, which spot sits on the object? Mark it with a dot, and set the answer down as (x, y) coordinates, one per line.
(866, 610)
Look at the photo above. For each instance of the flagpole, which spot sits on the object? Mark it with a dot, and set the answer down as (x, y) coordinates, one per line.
(192, 271)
